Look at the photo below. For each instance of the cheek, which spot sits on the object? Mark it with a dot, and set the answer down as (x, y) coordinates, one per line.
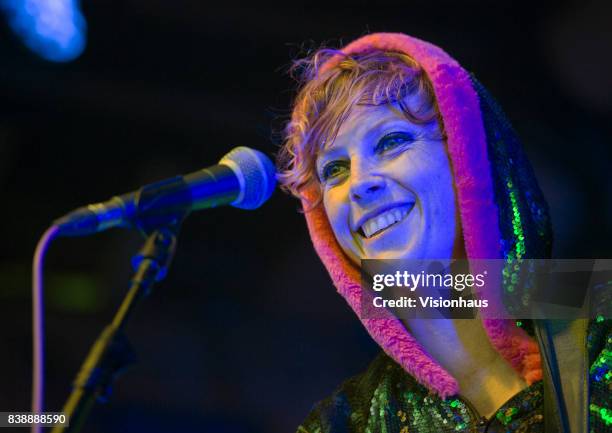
(430, 177)
(337, 210)
(444, 218)
(423, 176)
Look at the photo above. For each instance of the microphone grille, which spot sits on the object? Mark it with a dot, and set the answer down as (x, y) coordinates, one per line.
(256, 174)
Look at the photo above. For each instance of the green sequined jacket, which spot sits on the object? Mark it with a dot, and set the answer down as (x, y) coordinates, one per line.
(386, 399)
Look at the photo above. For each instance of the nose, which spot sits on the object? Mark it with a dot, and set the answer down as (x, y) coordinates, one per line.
(366, 186)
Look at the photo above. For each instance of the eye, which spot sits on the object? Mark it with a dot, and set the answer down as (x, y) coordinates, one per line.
(333, 170)
(393, 141)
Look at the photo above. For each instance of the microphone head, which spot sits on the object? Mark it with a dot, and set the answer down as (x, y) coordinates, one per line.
(256, 174)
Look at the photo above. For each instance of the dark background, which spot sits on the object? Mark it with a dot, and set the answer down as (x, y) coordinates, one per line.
(247, 331)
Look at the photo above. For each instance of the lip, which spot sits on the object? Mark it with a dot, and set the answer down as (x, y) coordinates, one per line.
(375, 212)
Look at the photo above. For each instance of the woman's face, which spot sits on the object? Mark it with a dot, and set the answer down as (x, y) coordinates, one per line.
(388, 187)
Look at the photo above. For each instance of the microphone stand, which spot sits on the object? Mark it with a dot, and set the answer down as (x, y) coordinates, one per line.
(112, 351)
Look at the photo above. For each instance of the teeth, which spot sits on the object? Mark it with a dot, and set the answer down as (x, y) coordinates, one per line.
(373, 226)
(384, 220)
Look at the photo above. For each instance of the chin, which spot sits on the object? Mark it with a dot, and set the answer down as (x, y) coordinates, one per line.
(392, 255)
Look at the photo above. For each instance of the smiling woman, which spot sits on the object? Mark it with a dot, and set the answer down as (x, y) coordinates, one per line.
(380, 159)
(396, 152)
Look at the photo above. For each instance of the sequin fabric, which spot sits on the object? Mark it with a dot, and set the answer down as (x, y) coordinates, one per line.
(385, 399)
(526, 233)
(600, 375)
(523, 213)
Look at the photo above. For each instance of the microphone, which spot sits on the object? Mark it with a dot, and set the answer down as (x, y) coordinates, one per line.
(244, 178)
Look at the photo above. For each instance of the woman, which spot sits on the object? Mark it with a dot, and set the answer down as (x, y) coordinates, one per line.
(397, 152)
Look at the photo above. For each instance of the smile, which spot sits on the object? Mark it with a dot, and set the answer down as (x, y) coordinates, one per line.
(384, 220)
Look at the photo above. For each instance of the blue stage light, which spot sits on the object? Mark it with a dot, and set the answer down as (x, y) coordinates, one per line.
(53, 29)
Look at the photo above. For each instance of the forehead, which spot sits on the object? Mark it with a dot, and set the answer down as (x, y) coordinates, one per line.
(364, 119)
(367, 119)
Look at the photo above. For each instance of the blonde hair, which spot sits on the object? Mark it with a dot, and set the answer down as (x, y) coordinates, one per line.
(327, 94)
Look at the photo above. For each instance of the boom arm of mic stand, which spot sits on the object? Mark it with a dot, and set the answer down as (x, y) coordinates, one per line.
(112, 352)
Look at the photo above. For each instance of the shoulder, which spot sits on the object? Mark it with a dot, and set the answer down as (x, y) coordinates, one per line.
(348, 407)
